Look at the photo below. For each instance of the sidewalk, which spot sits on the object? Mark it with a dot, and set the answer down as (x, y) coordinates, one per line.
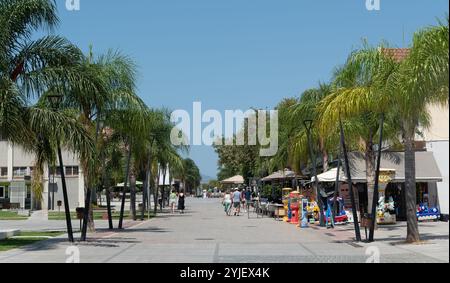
(206, 235)
(390, 239)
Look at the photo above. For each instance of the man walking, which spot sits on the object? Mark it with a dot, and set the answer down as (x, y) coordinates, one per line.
(237, 202)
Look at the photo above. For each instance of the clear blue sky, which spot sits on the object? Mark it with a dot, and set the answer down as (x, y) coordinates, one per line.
(237, 54)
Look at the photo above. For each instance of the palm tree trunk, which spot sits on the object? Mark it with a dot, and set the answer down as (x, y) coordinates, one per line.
(370, 174)
(163, 202)
(413, 235)
(133, 196)
(124, 193)
(145, 195)
(155, 194)
(325, 156)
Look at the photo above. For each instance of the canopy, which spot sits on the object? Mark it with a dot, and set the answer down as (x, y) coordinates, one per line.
(330, 176)
(236, 180)
(121, 185)
(426, 168)
(280, 175)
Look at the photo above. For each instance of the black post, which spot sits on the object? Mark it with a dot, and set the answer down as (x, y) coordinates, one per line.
(66, 198)
(336, 187)
(124, 193)
(308, 125)
(376, 187)
(350, 183)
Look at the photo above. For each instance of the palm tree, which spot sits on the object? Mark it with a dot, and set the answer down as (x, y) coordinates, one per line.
(421, 80)
(307, 108)
(353, 99)
(109, 86)
(191, 175)
(130, 128)
(30, 67)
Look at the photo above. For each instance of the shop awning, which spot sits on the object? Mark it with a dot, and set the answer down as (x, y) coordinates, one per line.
(280, 175)
(427, 169)
(236, 180)
(330, 176)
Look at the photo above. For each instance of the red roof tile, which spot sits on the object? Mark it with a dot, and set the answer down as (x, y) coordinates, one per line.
(398, 54)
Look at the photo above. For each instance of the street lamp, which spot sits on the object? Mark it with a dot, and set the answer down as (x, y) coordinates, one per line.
(55, 101)
(308, 125)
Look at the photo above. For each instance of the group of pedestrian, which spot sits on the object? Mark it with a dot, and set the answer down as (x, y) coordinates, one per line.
(235, 200)
(177, 199)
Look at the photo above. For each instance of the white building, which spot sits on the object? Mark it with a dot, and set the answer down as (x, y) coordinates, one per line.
(16, 167)
(437, 141)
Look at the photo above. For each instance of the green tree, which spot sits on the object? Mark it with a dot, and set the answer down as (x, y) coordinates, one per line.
(356, 85)
(421, 80)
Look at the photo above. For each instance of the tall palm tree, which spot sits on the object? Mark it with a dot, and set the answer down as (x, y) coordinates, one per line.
(29, 67)
(109, 86)
(422, 79)
(308, 109)
(356, 87)
(130, 126)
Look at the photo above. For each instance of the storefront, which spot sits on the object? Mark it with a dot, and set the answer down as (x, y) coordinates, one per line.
(427, 177)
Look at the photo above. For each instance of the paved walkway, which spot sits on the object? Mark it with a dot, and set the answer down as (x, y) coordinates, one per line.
(205, 235)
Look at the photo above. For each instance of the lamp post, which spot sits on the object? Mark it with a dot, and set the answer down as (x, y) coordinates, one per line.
(308, 125)
(55, 101)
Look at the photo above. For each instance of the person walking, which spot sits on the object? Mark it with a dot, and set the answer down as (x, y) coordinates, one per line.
(247, 199)
(173, 201)
(237, 202)
(181, 202)
(227, 201)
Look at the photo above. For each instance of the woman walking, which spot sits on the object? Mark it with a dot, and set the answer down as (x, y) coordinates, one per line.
(181, 200)
(227, 202)
(173, 201)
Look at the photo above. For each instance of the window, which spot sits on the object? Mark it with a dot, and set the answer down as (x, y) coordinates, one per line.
(20, 171)
(58, 171)
(2, 192)
(72, 171)
(4, 172)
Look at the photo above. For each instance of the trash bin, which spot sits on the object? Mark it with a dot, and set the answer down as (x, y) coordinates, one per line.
(80, 212)
(80, 215)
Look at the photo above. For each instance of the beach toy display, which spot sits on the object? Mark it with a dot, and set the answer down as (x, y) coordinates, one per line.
(288, 214)
(294, 206)
(424, 213)
(341, 215)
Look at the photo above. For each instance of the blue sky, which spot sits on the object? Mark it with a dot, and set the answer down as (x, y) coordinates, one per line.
(237, 54)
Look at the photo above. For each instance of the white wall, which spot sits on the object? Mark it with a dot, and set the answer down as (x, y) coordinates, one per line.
(441, 153)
